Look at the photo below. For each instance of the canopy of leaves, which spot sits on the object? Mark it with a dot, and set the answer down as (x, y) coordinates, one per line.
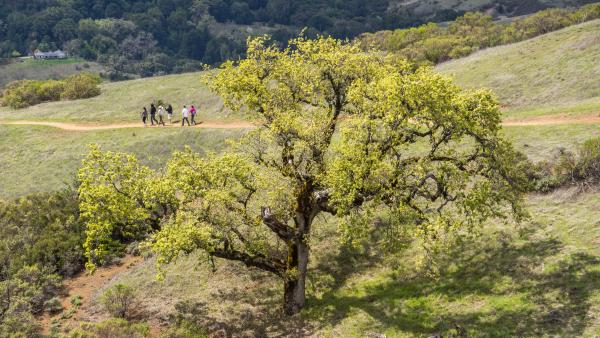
(341, 131)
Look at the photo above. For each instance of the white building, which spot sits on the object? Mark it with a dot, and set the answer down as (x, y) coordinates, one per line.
(58, 54)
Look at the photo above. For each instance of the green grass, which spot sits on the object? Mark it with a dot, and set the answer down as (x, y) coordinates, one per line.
(35, 158)
(539, 279)
(554, 73)
(541, 142)
(44, 69)
(123, 102)
(536, 279)
(587, 107)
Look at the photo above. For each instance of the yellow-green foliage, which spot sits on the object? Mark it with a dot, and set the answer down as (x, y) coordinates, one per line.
(342, 132)
(81, 86)
(25, 93)
(431, 43)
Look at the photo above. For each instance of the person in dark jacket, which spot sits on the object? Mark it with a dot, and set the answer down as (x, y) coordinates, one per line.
(153, 114)
(170, 113)
(144, 115)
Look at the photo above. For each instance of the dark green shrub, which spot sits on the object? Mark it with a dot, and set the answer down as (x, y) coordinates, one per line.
(36, 286)
(119, 300)
(44, 230)
(53, 305)
(77, 301)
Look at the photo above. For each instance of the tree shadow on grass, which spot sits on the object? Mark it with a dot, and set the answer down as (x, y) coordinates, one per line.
(495, 286)
(491, 288)
(255, 309)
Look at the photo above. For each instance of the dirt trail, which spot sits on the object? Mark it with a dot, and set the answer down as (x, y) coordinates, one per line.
(92, 127)
(86, 286)
(535, 121)
(552, 120)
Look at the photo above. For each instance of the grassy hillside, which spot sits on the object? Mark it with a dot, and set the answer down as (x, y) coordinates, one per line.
(122, 101)
(553, 73)
(532, 280)
(32, 69)
(535, 279)
(35, 158)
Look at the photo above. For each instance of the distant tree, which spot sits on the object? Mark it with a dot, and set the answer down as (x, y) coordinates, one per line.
(113, 10)
(240, 12)
(341, 132)
(65, 30)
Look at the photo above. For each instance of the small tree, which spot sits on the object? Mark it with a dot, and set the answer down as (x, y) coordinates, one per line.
(119, 300)
(341, 132)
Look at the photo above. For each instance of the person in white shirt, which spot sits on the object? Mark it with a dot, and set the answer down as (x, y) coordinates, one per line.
(161, 114)
(185, 113)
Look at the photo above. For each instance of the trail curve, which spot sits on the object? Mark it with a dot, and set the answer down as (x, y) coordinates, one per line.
(92, 127)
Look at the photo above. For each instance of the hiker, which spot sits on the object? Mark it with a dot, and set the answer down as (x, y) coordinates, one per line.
(193, 113)
(144, 115)
(170, 113)
(153, 114)
(184, 116)
(161, 114)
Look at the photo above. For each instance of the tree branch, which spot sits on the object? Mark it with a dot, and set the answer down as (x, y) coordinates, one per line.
(258, 261)
(282, 230)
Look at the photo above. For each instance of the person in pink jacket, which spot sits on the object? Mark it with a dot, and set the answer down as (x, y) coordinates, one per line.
(193, 113)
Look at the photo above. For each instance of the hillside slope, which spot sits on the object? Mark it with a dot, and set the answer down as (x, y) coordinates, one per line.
(31, 69)
(554, 73)
(123, 101)
(495, 7)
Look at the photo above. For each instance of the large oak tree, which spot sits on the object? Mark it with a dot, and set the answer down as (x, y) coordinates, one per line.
(339, 131)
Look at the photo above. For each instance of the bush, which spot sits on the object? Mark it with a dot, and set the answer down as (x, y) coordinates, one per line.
(581, 167)
(40, 235)
(77, 301)
(25, 93)
(41, 229)
(586, 167)
(81, 86)
(36, 286)
(119, 301)
(53, 305)
(51, 90)
(21, 94)
(19, 325)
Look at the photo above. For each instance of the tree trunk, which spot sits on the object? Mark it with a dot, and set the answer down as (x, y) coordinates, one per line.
(295, 284)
